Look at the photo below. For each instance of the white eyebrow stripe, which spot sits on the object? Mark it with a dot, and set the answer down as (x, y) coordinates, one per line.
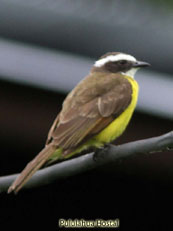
(114, 58)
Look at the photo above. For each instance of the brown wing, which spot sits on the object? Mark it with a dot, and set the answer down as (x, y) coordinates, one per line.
(88, 109)
(53, 127)
(80, 121)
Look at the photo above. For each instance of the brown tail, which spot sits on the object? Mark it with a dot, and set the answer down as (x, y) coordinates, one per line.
(31, 168)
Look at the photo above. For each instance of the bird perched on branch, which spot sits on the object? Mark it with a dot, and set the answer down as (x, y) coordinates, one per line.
(94, 113)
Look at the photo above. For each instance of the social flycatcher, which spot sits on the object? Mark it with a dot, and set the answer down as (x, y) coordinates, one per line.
(94, 113)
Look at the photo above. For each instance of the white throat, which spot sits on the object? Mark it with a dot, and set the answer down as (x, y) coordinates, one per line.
(131, 73)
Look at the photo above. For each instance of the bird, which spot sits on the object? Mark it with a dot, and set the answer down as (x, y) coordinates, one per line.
(93, 114)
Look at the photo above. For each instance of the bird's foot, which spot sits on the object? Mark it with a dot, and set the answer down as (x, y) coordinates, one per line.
(101, 152)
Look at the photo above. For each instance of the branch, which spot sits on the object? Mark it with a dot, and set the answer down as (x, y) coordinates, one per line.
(92, 160)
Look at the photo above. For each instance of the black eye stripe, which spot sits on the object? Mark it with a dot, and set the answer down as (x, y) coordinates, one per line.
(122, 65)
(123, 61)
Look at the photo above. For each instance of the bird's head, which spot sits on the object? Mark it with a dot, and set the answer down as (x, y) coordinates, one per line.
(116, 62)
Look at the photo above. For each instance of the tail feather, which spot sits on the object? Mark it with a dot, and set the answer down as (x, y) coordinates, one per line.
(31, 168)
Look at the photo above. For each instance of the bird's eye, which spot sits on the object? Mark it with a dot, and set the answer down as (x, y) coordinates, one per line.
(122, 62)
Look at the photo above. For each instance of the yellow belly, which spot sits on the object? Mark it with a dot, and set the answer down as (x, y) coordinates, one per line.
(117, 127)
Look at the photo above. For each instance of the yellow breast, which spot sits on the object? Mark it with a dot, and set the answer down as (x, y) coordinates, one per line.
(117, 127)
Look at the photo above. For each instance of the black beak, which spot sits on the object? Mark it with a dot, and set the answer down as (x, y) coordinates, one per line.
(141, 64)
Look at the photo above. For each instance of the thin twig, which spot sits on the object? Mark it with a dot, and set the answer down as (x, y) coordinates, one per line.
(89, 161)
